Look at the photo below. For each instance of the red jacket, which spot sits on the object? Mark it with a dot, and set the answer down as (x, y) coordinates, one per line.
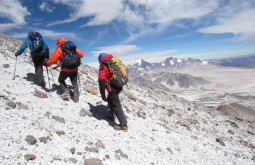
(104, 73)
(58, 55)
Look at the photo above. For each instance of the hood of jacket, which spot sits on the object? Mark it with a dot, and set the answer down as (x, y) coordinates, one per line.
(105, 58)
(60, 41)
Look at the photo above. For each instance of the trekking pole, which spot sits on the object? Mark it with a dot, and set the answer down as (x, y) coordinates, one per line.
(52, 76)
(48, 77)
(15, 69)
(56, 67)
(79, 82)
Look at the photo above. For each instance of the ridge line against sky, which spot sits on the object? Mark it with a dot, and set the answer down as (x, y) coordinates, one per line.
(149, 29)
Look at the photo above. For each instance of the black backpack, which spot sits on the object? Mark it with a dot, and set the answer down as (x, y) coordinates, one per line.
(36, 45)
(71, 59)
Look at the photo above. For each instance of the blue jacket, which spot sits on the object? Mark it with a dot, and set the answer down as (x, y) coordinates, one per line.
(33, 51)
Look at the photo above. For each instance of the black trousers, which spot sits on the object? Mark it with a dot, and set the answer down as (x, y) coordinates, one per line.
(115, 107)
(74, 80)
(38, 64)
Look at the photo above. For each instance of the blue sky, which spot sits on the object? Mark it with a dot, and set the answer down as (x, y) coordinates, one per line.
(133, 29)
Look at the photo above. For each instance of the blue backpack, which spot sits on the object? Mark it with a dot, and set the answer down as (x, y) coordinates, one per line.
(36, 44)
(71, 59)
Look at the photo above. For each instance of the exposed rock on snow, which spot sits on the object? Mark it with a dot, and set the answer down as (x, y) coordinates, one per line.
(100, 144)
(59, 119)
(6, 65)
(92, 161)
(45, 139)
(92, 149)
(60, 133)
(31, 139)
(40, 94)
(23, 106)
(72, 150)
(11, 104)
(29, 157)
(220, 140)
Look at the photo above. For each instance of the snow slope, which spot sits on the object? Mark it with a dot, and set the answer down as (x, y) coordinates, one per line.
(163, 129)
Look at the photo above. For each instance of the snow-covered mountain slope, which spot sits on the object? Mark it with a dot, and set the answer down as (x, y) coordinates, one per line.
(140, 64)
(163, 128)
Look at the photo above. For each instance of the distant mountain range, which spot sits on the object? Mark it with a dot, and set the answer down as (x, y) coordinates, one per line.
(245, 61)
(143, 72)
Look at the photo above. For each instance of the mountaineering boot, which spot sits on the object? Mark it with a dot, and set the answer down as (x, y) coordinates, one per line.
(120, 128)
(66, 94)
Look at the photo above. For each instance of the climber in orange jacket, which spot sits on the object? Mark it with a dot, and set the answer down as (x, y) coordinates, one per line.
(65, 72)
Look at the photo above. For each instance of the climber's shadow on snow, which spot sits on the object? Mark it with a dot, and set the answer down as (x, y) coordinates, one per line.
(53, 87)
(56, 88)
(30, 77)
(101, 112)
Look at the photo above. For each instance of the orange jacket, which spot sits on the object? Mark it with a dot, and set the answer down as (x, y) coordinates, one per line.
(58, 55)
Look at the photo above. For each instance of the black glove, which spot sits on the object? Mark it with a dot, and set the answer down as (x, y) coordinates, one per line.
(17, 54)
(45, 52)
(45, 62)
(104, 98)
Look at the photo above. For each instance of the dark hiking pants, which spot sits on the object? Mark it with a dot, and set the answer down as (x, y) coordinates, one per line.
(38, 64)
(74, 80)
(115, 107)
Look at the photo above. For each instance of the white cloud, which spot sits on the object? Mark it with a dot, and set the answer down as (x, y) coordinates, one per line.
(13, 11)
(7, 26)
(19, 35)
(242, 25)
(150, 17)
(236, 17)
(47, 34)
(218, 54)
(148, 56)
(103, 12)
(141, 17)
(53, 35)
(123, 52)
(46, 7)
(153, 17)
(168, 11)
(137, 13)
(117, 50)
